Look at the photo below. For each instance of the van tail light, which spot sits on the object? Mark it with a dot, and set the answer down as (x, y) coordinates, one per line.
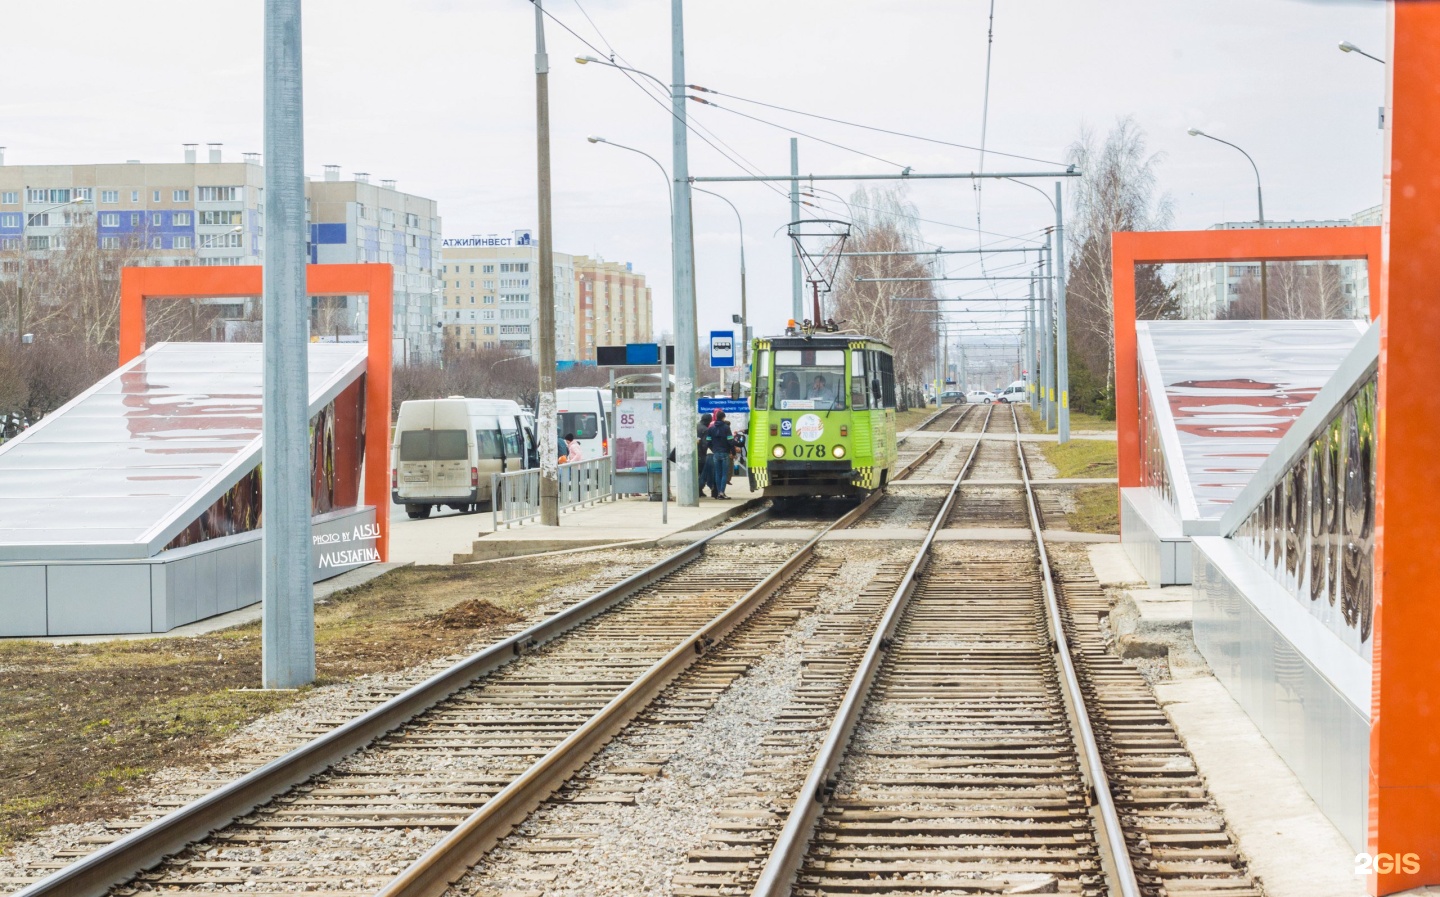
(604, 446)
(773, 431)
(394, 479)
(474, 477)
(844, 431)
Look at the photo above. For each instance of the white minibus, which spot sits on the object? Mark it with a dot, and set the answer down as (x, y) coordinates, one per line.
(446, 449)
(582, 410)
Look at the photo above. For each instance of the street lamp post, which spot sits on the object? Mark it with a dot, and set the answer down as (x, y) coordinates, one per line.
(744, 315)
(1260, 201)
(1347, 47)
(24, 263)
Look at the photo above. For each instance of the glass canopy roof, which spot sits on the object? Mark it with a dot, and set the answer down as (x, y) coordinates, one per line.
(145, 450)
(1234, 388)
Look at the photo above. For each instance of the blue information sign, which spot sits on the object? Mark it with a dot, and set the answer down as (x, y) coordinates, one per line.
(722, 348)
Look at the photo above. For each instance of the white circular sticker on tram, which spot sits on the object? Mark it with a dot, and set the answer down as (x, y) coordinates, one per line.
(810, 427)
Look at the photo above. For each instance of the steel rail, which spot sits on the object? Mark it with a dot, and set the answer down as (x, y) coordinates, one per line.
(925, 455)
(1122, 870)
(126, 857)
(778, 876)
(449, 859)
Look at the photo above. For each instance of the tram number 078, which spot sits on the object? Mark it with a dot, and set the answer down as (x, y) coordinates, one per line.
(800, 450)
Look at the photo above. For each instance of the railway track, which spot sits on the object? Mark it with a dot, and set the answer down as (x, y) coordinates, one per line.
(935, 740)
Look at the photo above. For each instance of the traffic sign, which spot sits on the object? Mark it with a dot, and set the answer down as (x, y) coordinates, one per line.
(722, 348)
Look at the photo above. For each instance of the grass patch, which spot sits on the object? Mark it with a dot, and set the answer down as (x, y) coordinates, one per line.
(1083, 458)
(80, 724)
(1097, 510)
(1079, 420)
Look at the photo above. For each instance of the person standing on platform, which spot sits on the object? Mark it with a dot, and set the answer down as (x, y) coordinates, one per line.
(572, 448)
(718, 440)
(700, 461)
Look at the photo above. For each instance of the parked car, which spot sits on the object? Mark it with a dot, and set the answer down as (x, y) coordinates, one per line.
(979, 397)
(952, 397)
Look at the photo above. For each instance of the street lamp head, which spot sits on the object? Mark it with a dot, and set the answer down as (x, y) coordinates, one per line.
(1347, 47)
(1196, 132)
(594, 139)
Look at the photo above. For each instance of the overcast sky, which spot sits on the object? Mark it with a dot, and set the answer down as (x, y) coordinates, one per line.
(439, 95)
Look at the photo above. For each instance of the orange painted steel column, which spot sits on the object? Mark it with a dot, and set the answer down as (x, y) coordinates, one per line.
(1404, 811)
(1127, 384)
(377, 402)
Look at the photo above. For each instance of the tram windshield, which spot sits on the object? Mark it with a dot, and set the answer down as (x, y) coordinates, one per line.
(809, 379)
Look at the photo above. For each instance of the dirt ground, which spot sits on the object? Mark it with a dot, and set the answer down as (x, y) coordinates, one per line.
(81, 723)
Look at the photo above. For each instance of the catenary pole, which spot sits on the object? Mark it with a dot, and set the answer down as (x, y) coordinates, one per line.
(687, 492)
(288, 611)
(797, 303)
(548, 437)
(1052, 419)
(1031, 374)
(1062, 347)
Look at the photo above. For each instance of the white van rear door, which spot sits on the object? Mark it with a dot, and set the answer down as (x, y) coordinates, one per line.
(413, 457)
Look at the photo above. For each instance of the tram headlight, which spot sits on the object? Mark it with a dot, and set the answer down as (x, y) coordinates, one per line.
(778, 451)
(838, 451)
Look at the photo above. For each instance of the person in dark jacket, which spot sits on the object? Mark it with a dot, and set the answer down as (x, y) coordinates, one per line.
(718, 440)
(700, 460)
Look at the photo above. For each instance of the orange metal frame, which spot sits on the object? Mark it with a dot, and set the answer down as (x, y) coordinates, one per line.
(1404, 812)
(139, 284)
(1165, 247)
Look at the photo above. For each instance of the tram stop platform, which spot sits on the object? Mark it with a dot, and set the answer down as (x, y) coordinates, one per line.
(634, 522)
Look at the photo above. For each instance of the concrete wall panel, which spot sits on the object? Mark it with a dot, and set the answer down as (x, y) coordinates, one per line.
(86, 599)
(22, 600)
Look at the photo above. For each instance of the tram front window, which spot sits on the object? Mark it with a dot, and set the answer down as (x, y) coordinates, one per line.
(809, 379)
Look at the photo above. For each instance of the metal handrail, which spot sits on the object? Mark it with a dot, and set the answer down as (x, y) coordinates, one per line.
(515, 495)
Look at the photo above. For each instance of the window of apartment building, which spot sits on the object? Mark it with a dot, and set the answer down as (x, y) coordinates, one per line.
(472, 332)
(219, 194)
(181, 262)
(10, 267)
(180, 219)
(488, 314)
(134, 195)
(412, 220)
(488, 269)
(472, 269)
(109, 242)
(490, 299)
(41, 219)
(472, 300)
(412, 239)
(221, 218)
(157, 243)
(37, 242)
(221, 260)
(111, 196)
(157, 220)
(387, 217)
(489, 284)
(361, 211)
(11, 220)
(43, 195)
(10, 197)
(181, 195)
(489, 331)
(134, 219)
(213, 241)
(85, 193)
(182, 243)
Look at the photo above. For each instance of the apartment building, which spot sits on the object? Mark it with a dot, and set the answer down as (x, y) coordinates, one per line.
(613, 306)
(491, 289)
(212, 213)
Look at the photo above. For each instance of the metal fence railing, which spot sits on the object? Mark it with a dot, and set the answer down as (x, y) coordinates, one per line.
(515, 496)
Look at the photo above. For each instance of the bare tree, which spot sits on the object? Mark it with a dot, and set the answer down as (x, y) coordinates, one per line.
(1310, 291)
(1118, 191)
(887, 222)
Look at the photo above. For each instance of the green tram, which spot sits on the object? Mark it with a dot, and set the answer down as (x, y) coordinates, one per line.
(822, 418)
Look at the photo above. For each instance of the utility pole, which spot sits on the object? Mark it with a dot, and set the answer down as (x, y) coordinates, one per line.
(797, 305)
(1062, 347)
(1051, 418)
(688, 490)
(1030, 342)
(549, 462)
(288, 612)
